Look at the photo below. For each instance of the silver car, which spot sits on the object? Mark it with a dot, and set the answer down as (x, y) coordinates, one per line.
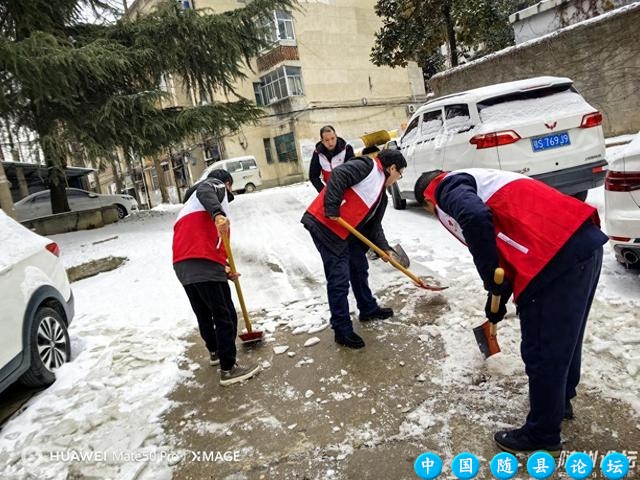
(39, 204)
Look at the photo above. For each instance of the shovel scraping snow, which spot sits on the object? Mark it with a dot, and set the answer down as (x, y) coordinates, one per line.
(487, 333)
(252, 335)
(417, 280)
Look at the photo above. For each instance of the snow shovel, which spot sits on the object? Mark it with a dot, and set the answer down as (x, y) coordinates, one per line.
(252, 335)
(417, 280)
(487, 333)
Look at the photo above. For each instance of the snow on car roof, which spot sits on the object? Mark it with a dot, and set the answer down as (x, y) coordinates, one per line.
(476, 94)
(558, 105)
(17, 241)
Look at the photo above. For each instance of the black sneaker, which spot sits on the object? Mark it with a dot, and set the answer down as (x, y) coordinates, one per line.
(238, 374)
(380, 314)
(351, 340)
(213, 358)
(568, 411)
(519, 441)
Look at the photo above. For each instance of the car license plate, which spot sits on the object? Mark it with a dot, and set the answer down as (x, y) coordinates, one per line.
(553, 140)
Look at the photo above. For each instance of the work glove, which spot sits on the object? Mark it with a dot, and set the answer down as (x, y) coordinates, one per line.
(502, 310)
(503, 290)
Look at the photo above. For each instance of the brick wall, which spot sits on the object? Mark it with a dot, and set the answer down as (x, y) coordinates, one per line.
(279, 54)
(602, 57)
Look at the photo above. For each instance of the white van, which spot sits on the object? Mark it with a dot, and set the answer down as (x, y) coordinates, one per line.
(244, 170)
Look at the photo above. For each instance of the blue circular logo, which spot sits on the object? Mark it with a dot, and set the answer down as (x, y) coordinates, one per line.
(504, 466)
(465, 465)
(541, 465)
(428, 466)
(615, 465)
(579, 465)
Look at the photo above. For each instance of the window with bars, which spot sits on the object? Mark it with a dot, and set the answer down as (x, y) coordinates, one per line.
(283, 82)
(286, 148)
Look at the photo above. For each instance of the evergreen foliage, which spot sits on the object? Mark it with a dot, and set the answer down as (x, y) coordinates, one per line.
(98, 85)
(414, 30)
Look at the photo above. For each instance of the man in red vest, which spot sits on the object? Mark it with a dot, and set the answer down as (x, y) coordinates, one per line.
(200, 263)
(330, 152)
(356, 192)
(550, 247)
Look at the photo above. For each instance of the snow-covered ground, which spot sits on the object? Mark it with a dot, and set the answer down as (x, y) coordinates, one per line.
(130, 327)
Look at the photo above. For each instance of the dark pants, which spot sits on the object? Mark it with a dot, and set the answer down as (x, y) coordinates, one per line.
(552, 325)
(349, 267)
(217, 318)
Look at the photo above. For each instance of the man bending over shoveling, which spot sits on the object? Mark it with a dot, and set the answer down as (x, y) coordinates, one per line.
(355, 192)
(550, 247)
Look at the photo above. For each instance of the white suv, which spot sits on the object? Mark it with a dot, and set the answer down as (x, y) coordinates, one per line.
(37, 306)
(541, 127)
(622, 203)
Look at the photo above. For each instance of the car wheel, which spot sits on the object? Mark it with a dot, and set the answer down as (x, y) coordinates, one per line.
(249, 188)
(50, 348)
(122, 212)
(582, 196)
(399, 203)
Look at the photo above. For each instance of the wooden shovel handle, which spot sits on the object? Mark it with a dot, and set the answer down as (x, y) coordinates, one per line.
(498, 278)
(236, 282)
(381, 252)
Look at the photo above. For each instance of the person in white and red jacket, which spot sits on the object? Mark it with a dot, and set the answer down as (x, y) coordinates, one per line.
(200, 263)
(331, 151)
(550, 247)
(355, 192)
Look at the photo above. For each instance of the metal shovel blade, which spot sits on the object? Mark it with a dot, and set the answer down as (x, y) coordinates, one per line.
(400, 256)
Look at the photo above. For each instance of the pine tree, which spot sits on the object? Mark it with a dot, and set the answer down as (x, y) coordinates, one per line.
(414, 30)
(72, 81)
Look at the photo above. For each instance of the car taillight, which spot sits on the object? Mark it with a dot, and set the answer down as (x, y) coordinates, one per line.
(494, 139)
(591, 120)
(622, 181)
(53, 248)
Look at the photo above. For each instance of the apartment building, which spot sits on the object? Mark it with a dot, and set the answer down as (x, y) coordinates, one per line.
(316, 72)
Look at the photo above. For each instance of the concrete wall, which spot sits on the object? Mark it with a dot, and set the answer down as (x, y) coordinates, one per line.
(602, 56)
(73, 221)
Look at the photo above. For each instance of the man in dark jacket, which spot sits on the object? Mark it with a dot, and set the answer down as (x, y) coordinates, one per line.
(355, 192)
(550, 247)
(330, 152)
(200, 263)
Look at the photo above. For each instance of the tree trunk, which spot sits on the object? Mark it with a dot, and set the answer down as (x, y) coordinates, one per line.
(162, 181)
(6, 202)
(451, 34)
(116, 172)
(56, 164)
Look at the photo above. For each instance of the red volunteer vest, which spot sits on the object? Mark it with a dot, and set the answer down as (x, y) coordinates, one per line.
(327, 165)
(532, 221)
(356, 203)
(195, 234)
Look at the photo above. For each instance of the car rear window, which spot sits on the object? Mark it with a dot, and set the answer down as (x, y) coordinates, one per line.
(552, 102)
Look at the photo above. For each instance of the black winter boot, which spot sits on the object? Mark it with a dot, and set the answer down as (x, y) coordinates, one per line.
(519, 441)
(351, 340)
(380, 314)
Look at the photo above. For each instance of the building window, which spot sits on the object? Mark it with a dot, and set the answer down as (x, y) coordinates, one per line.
(280, 27)
(284, 25)
(286, 148)
(267, 149)
(257, 91)
(283, 82)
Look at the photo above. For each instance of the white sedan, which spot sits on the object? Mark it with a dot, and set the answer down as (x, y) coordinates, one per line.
(622, 203)
(39, 204)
